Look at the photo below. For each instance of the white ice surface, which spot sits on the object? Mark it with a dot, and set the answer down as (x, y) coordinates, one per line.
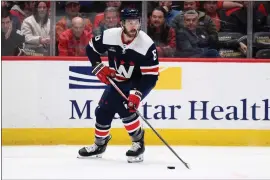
(60, 162)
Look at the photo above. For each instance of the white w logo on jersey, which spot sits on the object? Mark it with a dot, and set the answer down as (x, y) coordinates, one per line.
(122, 70)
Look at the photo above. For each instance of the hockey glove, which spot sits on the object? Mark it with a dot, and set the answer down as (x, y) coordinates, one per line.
(134, 99)
(102, 72)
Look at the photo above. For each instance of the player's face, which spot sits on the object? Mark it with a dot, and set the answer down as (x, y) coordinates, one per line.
(131, 26)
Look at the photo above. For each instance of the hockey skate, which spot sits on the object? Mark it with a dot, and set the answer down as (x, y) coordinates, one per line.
(135, 153)
(94, 150)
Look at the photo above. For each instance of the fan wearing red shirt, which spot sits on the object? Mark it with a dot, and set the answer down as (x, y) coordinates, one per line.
(72, 42)
(100, 16)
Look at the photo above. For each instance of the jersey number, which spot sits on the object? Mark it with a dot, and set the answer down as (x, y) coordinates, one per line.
(154, 54)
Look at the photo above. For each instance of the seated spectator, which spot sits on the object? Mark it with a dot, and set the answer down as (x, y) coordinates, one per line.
(193, 40)
(111, 19)
(171, 13)
(72, 42)
(72, 9)
(100, 16)
(12, 39)
(205, 22)
(161, 33)
(36, 29)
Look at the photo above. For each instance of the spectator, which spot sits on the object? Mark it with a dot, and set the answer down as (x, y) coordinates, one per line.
(193, 40)
(4, 4)
(261, 14)
(111, 19)
(234, 19)
(72, 10)
(22, 9)
(210, 8)
(100, 16)
(189, 5)
(72, 42)
(15, 20)
(205, 22)
(161, 33)
(30, 6)
(12, 39)
(171, 13)
(18, 11)
(36, 29)
(229, 4)
(7, 4)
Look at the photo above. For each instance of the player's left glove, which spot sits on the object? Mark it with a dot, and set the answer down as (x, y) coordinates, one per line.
(134, 99)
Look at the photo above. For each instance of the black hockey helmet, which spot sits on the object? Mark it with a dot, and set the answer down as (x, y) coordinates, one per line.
(129, 13)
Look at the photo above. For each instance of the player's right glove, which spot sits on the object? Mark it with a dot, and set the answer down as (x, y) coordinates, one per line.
(134, 99)
(102, 72)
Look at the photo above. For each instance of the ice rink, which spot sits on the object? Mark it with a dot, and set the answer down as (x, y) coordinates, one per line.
(60, 162)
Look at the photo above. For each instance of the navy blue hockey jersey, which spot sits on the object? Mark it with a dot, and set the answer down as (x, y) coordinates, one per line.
(135, 62)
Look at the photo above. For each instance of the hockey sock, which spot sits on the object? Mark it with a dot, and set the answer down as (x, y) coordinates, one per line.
(101, 133)
(133, 126)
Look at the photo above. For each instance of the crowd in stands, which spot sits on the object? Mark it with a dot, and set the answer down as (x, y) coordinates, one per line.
(178, 28)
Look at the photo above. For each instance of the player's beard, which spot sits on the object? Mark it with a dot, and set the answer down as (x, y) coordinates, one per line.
(129, 34)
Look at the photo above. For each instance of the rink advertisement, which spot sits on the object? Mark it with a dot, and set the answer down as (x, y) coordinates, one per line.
(204, 103)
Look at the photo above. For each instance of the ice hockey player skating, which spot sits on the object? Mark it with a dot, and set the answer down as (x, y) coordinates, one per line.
(133, 66)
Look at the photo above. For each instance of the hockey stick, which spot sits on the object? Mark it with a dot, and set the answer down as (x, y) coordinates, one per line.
(123, 95)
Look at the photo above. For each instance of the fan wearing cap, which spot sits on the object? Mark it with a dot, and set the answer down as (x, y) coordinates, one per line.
(133, 65)
(72, 9)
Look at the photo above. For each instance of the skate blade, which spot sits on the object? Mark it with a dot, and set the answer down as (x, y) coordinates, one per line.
(135, 159)
(89, 157)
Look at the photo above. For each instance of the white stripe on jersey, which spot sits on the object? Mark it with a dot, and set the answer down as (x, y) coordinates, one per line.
(149, 67)
(92, 46)
(149, 73)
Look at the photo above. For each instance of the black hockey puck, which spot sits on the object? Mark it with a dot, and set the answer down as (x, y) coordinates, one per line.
(171, 167)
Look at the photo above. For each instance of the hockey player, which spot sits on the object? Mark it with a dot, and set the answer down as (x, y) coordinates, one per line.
(133, 66)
